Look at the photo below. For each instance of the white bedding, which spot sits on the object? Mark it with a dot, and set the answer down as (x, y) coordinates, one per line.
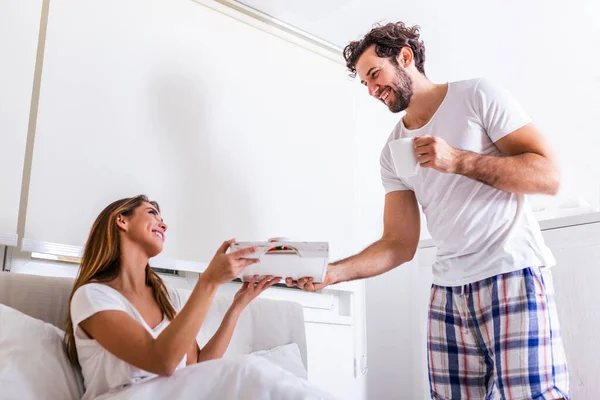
(247, 377)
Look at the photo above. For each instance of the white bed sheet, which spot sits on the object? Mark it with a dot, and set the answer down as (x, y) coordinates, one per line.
(246, 377)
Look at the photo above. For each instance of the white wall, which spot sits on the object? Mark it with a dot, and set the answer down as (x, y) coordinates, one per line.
(335, 318)
(19, 30)
(217, 131)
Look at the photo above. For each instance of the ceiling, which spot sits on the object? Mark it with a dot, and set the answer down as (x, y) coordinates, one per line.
(341, 21)
(335, 21)
(471, 33)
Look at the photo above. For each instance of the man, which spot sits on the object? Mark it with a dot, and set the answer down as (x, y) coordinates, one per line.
(493, 328)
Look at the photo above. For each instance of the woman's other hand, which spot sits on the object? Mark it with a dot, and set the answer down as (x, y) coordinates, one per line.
(251, 289)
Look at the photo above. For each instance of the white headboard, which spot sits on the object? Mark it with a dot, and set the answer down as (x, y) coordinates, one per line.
(264, 324)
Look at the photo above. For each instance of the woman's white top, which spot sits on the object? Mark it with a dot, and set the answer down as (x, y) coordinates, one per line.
(102, 371)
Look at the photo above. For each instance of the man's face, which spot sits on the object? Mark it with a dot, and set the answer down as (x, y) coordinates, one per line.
(386, 81)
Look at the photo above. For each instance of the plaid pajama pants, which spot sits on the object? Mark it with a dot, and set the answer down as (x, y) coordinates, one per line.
(497, 339)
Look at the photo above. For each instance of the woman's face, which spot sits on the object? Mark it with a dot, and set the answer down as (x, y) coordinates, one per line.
(146, 228)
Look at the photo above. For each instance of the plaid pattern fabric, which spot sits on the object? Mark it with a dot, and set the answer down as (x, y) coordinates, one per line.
(497, 339)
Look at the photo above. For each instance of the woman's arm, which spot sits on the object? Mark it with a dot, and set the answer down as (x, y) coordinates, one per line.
(124, 337)
(192, 354)
(217, 345)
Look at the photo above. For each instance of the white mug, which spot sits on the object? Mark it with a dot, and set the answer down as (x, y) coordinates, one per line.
(403, 154)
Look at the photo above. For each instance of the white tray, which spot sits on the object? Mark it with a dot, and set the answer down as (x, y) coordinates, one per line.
(286, 259)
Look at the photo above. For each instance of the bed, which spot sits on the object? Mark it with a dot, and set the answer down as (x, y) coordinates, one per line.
(266, 359)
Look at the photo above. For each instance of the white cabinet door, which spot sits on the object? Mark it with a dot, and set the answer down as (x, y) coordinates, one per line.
(331, 359)
(576, 279)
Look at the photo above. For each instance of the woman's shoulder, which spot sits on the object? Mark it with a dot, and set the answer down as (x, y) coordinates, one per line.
(93, 297)
(95, 288)
(95, 293)
(90, 287)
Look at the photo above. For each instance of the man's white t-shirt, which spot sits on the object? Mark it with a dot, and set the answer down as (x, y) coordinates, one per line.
(479, 231)
(102, 371)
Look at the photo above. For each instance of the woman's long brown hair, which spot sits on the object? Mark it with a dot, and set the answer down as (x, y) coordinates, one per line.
(101, 262)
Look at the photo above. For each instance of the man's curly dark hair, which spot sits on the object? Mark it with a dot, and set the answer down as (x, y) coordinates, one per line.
(388, 39)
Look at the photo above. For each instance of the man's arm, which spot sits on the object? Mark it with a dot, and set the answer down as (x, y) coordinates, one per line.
(401, 230)
(528, 164)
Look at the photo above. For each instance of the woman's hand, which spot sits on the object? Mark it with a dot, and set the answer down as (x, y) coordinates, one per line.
(217, 345)
(250, 290)
(226, 267)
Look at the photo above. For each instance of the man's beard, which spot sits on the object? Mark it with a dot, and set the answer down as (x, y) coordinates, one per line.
(402, 89)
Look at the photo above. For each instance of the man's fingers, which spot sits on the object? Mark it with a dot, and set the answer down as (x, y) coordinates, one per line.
(318, 286)
(303, 283)
(422, 150)
(310, 286)
(422, 141)
(425, 160)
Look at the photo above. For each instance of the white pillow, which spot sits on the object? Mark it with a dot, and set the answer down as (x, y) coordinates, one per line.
(287, 357)
(33, 363)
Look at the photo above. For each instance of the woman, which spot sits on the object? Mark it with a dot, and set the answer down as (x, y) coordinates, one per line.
(125, 324)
